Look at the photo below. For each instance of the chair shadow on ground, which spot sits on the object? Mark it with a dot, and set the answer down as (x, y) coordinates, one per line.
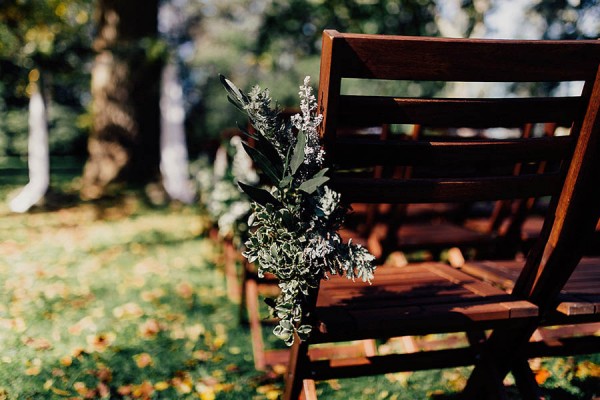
(589, 386)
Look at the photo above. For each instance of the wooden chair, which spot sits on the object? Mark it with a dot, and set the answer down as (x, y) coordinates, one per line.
(432, 297)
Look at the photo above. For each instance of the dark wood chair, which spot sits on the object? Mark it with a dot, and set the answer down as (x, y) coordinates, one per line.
(432, 297)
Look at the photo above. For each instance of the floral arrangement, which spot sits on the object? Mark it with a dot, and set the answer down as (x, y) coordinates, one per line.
(294, 224)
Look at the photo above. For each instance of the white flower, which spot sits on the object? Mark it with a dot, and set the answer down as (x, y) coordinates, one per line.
(308, 123)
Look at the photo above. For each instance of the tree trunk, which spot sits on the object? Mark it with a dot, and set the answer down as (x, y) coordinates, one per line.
(124, 142)
(173, 149)
(38, 155)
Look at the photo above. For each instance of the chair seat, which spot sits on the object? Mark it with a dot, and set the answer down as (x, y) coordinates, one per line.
(580, 296)
(415, 299)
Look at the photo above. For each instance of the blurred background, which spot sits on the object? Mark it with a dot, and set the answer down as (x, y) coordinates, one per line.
(111, 109)
(98, 64)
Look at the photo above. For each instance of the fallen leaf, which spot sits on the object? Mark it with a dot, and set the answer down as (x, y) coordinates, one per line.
(143, 360)
(542, 376)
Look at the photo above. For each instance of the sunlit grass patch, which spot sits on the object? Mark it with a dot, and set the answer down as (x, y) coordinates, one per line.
(120, 300)
(129, 307)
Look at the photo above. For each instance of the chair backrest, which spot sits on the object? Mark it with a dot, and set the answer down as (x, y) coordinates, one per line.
(469, 170)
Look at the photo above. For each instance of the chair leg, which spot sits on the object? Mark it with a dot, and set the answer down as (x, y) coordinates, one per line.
(243, 310)
(258, 347)
(309, 390)
(231, 275)
(297, 370)
(490, 384)
(525, 381)
(500, 351)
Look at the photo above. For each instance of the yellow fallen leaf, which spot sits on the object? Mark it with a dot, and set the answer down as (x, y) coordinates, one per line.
(185, 290)
(60, 392)
(143, 390)
(219, 342)
(101, 341)
(34, 367)
(80, 388)
(37, 343)
(279, 369)
(143, 360)
(149, 328)
(125, 390)
(587, 369)
(66, 361)
(160, 386)
(207, 395)
(265, 389)
(128, 311)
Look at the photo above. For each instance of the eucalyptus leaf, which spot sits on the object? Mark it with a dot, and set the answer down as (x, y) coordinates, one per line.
(245, 132)
(233, 90)
(311, 185)
(287, 159)
(236, 103)
(304, 329)
(267, 148)
(321, 173)
(260, 196)
(298, 155)
(271, 303)
(285, 182)
(263, 163)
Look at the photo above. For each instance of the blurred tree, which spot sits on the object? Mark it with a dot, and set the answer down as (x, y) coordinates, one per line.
(296, 25)
(277, 43)
(569, 19)
(124, 142)
(44, 41)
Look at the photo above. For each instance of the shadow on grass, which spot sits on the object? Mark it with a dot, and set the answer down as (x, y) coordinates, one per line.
(589, 388)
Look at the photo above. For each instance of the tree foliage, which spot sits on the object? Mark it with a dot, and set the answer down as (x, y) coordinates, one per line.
(49, 41)
(297, 25)
(570, 19)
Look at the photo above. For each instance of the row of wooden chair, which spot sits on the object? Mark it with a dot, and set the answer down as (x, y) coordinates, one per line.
(514, 298)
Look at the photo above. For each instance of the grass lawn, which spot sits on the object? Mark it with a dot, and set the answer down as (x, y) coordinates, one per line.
(122, 300)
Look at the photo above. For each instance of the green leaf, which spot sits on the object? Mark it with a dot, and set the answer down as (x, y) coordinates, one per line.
(245, 132)
(270, 302)
(234, 91)
(285, 181)
(237, 104)
(265, 146)
(298, 155)
(311, 185)
(287, 159)
(321, 173)
(263, 163)
(260, 196)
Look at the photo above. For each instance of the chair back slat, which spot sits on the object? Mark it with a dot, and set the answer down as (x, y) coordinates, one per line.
(368, 190)
(418, 58)
(360, 152)
(476, 113)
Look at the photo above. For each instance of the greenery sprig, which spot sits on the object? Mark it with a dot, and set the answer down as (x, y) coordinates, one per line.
(295, 223)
